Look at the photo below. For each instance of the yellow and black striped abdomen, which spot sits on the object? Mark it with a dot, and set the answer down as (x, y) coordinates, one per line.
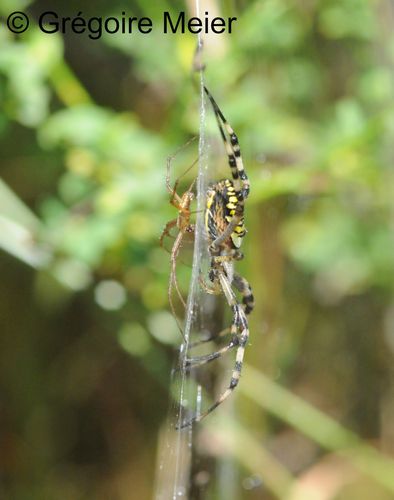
(222, 206)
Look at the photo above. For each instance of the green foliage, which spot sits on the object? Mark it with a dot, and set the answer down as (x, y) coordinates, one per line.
(86, 128)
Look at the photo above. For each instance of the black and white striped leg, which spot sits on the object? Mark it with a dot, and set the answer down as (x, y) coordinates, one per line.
(236, 375)
(242, 285)
(241, 181)
(206, 358)
(240, 332)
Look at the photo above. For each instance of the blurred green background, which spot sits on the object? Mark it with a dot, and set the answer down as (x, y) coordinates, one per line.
(87, 339)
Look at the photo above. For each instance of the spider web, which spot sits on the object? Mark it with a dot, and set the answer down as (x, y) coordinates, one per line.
(175, 447)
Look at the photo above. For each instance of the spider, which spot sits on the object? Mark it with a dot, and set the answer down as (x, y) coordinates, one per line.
(182, 222)
(224, 225)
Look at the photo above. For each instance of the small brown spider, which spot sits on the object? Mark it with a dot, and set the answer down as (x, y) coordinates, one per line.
(182, 223)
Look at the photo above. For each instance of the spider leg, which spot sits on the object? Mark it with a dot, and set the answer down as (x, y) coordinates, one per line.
(241, 181)
(211, 338)
(172, 189)
(166, 231)
(175, 198)
(198, 360)
(173, 278)
(230, 257)
(239, 324)
(202, 360)
(215, 245)
(173, 282)
(236, 374)
(174, 256)
(246, 291)
(212, 290)
(239, 319)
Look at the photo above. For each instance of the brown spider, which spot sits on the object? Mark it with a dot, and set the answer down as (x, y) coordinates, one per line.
(182, 223)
